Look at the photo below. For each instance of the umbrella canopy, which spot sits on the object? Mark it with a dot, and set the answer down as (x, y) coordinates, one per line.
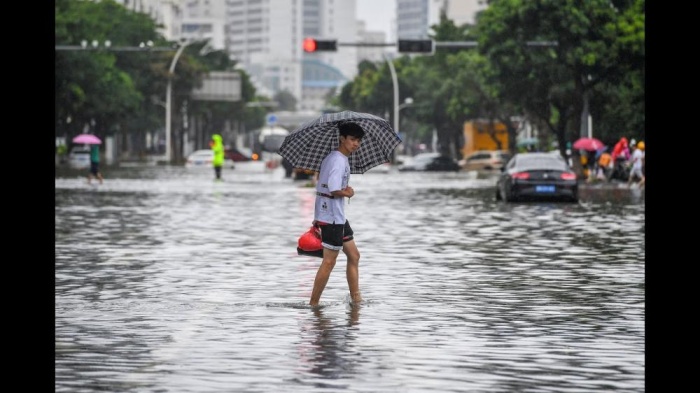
(308, 145)
(590, 144)
(87, 139)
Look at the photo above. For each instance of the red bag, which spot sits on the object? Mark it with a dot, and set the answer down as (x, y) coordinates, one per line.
(310, 243)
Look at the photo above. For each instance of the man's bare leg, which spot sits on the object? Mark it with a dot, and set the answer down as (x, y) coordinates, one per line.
(353, 270)
(322, 275)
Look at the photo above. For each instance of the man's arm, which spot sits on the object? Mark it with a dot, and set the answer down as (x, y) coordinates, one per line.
(345, 192)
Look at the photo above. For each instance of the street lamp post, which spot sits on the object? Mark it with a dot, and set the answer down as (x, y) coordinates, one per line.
(407, 102)
(169, 104)
(395, 82)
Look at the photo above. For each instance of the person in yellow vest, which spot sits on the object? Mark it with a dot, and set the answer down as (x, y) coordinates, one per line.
(217, 145)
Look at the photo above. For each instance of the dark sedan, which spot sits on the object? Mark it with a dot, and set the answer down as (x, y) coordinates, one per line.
(537, 176)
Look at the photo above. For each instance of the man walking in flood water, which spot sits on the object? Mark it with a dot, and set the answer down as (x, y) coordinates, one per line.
(329, 213)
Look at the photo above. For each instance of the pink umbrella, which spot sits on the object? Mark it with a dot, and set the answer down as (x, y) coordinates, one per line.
(590, 144)
(87, 139)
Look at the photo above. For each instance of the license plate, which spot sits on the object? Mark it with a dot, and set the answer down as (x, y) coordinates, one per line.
(544, 188)
(199, 162)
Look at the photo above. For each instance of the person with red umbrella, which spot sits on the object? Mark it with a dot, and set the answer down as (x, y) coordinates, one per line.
(621, 149)
(620, 155)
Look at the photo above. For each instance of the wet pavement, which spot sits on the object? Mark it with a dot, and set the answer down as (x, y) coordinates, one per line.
(166, 281)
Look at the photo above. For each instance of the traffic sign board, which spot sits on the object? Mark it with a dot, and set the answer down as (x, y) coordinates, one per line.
(271, 119)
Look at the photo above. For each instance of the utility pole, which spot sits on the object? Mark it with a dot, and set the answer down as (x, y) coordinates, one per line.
(169, 104)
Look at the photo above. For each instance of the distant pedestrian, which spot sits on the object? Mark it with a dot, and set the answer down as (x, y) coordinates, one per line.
(217, 145)
(620, 156)
(94, 164)
(604, 166)
(621, 150)
(637, 165)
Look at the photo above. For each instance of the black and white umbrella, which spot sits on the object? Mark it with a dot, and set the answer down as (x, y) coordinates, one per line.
(308, 145)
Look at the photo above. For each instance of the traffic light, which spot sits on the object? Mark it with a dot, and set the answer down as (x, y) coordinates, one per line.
(416, 46)
(313, 45)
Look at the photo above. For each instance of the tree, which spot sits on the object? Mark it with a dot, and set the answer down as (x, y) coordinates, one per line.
(552, 83)
(286, 100)
(90, 89)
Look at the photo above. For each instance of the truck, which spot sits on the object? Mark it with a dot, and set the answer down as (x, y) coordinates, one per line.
(482, 134)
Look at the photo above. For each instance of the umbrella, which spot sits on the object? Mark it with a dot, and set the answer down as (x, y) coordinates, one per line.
(87, 139)
(308, 145)
(590, 144)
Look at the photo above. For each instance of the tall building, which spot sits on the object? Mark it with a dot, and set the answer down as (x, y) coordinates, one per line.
(370, 53)
(414, 18)
(324, 73)
(265, 38)
(204, 19)
(167, 13)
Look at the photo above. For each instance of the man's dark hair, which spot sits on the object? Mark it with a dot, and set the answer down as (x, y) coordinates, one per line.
(352, 129)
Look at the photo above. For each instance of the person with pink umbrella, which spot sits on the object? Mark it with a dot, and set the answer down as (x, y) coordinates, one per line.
(94, 143)
(95, 164)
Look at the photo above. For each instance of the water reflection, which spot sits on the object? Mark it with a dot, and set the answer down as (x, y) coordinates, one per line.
(168, 281)
(327, 346)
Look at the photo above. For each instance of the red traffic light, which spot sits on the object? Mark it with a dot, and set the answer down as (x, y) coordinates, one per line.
(314, 45)
(309, 45)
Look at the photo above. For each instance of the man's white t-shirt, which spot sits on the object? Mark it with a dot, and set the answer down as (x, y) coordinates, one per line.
(334, 176)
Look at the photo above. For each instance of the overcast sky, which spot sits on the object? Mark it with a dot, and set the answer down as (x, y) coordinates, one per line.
(377, 14)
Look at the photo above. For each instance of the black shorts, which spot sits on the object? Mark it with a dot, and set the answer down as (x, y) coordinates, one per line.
(94, 167)
(334, 235)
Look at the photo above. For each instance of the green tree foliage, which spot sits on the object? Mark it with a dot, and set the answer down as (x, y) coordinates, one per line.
(600, 43)
(90, 88)
(286, 100)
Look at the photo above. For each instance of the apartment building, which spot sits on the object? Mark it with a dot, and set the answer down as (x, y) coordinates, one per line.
(414, 17)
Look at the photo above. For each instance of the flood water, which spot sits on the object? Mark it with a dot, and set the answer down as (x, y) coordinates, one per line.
(166, 281)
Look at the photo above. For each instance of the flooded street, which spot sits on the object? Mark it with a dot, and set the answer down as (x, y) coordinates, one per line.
(166, 281)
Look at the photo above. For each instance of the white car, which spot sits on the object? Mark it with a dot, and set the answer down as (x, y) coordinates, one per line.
(79, 157)
(203, 159)
(417, 162)
(485, 160)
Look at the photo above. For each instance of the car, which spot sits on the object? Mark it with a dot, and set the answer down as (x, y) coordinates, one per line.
(485, 160)
(203, 159)
(430, 162)
(537, 176)
(79, 157)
